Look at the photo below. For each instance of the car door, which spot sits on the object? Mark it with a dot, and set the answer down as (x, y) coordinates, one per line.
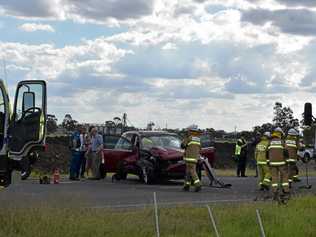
(117, 156)
(27, 129)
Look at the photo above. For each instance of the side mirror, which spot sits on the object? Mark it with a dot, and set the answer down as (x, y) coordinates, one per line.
(28, 100)
(308, 114)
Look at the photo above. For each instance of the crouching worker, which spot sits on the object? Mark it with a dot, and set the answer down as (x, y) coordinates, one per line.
(192, 146)
(261, 152)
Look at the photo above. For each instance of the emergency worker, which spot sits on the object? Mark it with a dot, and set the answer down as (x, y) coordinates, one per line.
(241, 157)
(277, 156)
(292, 145)
(192, 146)
(261, 153)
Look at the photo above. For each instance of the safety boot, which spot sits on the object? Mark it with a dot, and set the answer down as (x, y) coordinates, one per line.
(186, 188)
(197, 188)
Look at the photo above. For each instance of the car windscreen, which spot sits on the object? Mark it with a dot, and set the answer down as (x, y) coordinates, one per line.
(165, 141)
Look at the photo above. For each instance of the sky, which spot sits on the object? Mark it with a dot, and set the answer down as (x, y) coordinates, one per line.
(214, 63)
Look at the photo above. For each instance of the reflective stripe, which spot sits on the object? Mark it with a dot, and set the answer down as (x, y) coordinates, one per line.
(267, 180)
(277, 163)
(290, 180)
(285, 184)
(276, 147)
(274, 185)
(291, 160)
(42, 126)
(187, 183)
(295, 176)
(291, 145)
(262, 162)
(194, 143)
(196, 181)
(190, 160)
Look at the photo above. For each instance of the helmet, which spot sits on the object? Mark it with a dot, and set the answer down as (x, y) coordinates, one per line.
(193, 128)
(293, 132)
(267, 134)
(277, 132)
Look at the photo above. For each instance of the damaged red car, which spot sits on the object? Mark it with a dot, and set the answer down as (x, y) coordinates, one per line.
(152, 156)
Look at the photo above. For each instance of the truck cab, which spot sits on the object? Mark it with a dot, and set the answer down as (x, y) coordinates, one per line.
(23, 129)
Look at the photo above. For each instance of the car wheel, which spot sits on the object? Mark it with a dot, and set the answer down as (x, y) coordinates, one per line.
(5, 179)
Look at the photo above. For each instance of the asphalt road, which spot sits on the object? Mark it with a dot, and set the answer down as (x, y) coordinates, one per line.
(129, 193)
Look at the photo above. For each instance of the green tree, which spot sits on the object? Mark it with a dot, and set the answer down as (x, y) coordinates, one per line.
(51, 123)
(69, 123)
(283, 117)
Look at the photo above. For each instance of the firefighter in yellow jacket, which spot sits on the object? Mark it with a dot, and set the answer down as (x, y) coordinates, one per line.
(261, 152)
(292, 145)
(277, 156)
(192, 146)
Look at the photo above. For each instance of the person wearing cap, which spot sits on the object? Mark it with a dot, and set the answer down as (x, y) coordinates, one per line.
(292, 145)
(241, 157)
(261, 153)
(277, 156)
(192, 146)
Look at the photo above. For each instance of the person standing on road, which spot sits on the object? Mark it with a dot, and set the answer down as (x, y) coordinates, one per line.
(241, 157)
(192, 146)
(277, 156)
(96, 153)
(75, 145)
(261, 153)
(292, 145)
(83, 150)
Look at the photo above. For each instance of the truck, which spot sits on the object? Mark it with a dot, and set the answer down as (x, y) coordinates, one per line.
(151, 155)
(23, 129)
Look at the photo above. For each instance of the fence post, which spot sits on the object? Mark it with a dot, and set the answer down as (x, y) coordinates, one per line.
(260, 223)
(156, 215)
(213, 220)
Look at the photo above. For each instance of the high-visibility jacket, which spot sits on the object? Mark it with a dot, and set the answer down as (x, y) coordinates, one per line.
(261, 152)
(192, 145)
(276, 152)
(241, 144)
(292, 145)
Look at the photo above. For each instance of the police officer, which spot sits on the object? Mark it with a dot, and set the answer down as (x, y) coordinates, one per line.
(192, 146)
(277, 156)
(241, 157)
(261, 152)
(292, 145)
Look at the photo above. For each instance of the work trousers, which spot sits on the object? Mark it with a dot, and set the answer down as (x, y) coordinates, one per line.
(75, 164)
(96, 159)
(264, 175)
(280, 178)
(241, 165)
(83, 162)
(191, 175)
(293, 172)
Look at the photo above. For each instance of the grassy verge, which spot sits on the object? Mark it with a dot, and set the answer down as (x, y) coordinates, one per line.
(296, 219)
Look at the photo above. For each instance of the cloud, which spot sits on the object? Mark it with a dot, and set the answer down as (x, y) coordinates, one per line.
(31, 27)
(32, 8)
(292, 21)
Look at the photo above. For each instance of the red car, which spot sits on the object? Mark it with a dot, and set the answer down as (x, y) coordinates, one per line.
(153, 156)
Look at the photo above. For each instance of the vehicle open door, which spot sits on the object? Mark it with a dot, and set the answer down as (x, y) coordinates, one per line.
(5, 171)
(28, 123)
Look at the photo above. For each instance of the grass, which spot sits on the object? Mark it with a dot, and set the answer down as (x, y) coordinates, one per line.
(296, 219)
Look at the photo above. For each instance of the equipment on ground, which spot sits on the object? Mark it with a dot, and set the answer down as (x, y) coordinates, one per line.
(307, 185)
(214, 181)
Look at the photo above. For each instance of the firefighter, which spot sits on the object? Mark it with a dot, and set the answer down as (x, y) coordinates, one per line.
(192, 146)
(261, 152)
(292, 145)
(277, 155)
(241, 157)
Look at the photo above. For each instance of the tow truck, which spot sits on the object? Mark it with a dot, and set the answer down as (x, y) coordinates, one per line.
(23, 130)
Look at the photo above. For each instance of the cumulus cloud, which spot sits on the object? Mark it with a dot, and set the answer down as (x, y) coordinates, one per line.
(31, 27)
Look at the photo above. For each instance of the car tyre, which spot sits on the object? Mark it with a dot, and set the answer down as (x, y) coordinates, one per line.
(147, 174)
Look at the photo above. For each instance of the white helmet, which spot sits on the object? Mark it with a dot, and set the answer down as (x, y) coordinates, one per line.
(278, 129)
(193, 128)
(293, 132)
(267, 134)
